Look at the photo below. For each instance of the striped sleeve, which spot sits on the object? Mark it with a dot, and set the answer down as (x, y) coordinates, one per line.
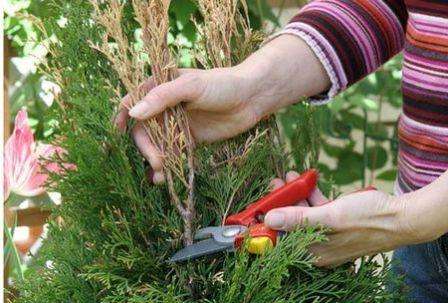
(350, 38)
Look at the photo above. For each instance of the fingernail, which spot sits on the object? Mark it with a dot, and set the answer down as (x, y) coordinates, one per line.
(138, 110)
(158, 178)
(275, 183)
(275, 219)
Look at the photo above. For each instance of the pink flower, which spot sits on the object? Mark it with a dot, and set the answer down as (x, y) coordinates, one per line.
(23, 171)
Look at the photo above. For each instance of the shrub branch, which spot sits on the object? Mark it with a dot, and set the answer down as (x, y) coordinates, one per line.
(170, 132)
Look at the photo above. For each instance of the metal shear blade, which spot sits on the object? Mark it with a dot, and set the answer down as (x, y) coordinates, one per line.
(199, 249)
(217, 239)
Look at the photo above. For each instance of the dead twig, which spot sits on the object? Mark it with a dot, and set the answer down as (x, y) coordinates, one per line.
(172, 136)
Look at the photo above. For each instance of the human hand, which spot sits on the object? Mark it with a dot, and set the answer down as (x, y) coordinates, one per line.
(223, 102)
(361, 223)
(220, 104)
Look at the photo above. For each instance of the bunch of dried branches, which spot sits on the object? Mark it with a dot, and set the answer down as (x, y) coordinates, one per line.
(225, 35)
(170, 132)
(218, 29)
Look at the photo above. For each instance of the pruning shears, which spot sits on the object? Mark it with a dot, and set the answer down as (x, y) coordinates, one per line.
(248, 224)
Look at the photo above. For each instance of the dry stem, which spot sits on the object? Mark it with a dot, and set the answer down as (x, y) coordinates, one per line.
(172, 136)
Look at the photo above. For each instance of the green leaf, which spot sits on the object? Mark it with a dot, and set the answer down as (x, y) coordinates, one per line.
(377, 131)
(365, 103)
(355, 120)
(189, 31)
(16, 262)
(336, 151)
(184, 10)
(324, 170)
(341, 129)
(332, 150)
(376, 157)
(262, 9)
(372, 79)
(337, 104)
(349, 168)
(394, 97)
(369, 86)
(388, 175)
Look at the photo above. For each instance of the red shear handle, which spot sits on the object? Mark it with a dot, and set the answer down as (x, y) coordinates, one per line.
(287, 195)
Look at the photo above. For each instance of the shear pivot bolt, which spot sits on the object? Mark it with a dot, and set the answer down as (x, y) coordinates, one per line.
(231, 232)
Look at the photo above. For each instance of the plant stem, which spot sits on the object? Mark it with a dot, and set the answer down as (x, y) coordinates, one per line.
(364, 148)
(375, 152)
(15, 253)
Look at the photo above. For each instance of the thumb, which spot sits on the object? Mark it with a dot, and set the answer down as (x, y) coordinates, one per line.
(289, 218)
(187, 87)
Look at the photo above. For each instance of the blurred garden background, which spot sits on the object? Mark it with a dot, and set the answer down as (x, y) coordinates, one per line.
(357, 131)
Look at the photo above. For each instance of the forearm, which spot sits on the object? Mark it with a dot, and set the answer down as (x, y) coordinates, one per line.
(282, 72)
(345, 40)
(425, 211)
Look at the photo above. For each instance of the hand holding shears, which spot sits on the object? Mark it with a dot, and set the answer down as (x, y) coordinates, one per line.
(249, 223)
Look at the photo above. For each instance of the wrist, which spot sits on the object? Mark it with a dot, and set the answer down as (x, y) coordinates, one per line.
(281, 73)
(257, 72)
(421, 218)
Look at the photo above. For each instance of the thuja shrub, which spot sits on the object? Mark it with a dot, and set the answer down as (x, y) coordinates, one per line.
(111, 237)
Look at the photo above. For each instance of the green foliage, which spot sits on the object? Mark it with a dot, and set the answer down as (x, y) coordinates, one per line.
(262, 10)
(116, 230)
(285, 274)
(11, 254)
(23, 34)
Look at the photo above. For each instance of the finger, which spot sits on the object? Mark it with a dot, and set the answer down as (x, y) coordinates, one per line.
(317, 198)
(158, 177)
(121, 119)
(276, 183)
(147, 149)
(303, 203)
(126, 103)
(291, 176)
(289, 218)
(187, 87)
(155, 177)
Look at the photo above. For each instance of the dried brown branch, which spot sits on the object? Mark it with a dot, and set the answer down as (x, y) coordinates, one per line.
(175, 139)
(218, 29)
(225, 37)
(172, 136)
(231, 155)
